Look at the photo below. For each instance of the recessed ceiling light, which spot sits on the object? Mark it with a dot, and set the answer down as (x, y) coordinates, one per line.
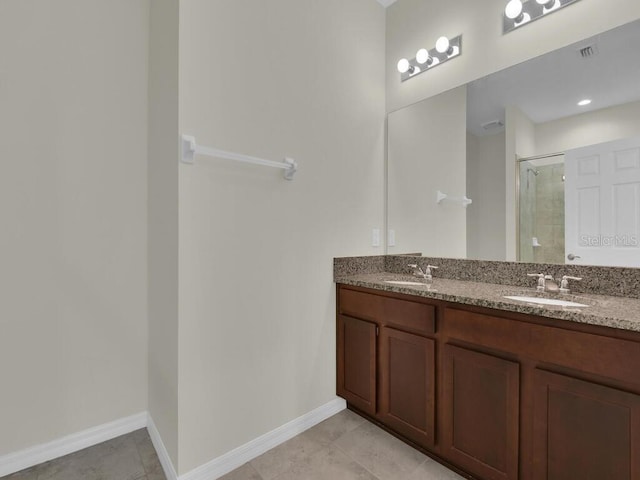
(585, 102)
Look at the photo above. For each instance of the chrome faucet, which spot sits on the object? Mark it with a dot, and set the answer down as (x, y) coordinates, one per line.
(546, 283)
(550, 284)
(426, 274)
(564, 284)
(417, 270)
(541, 280)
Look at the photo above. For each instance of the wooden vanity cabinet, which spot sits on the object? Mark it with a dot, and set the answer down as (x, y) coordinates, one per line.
(386, 362)
(579, 395)
(498, 395)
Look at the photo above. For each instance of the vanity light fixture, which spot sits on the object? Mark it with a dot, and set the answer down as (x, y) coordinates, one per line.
(521, 12)
(425, 59)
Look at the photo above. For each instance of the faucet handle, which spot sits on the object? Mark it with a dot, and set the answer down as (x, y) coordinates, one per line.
(564, 285)
(427, 273)
(541, 280)
(417, 271)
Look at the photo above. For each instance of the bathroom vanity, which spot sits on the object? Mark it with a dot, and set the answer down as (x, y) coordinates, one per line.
(495, 388)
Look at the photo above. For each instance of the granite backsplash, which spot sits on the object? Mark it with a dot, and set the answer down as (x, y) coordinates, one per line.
(614, 281)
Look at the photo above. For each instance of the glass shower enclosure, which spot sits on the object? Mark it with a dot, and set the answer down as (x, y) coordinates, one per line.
(541, 209)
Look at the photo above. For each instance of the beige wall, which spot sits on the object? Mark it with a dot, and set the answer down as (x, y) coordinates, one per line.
(520, 142)
(163, 221)
(427, 153)
(605, 125)
(486, 187)
(300, 78)
(413, 24)
(73, 148)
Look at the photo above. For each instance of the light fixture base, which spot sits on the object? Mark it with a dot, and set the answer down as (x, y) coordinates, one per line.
(437, 58)
(531, 11)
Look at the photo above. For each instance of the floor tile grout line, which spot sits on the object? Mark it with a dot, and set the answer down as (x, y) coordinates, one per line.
(340, 449)
(425, 461)
(144, 468)
(256, 470)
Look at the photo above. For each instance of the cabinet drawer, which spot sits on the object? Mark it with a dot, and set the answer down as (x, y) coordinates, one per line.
(412, 316)
(596, 354)
(360, 305)
(402, 314)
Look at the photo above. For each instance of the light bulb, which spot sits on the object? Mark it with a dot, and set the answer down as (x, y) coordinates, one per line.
(442, 45)
(584, 103)
(549, 6)
(422, 56)
(403, 65)
(513, 9)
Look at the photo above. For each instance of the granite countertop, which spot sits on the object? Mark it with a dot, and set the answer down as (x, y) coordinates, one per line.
(614, 312)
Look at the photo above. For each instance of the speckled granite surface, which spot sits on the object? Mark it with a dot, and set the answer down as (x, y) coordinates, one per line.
(614, 281)
(354, 265)
(614, 312)
(476, 286)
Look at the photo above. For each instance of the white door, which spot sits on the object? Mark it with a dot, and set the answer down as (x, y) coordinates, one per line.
(602, 204)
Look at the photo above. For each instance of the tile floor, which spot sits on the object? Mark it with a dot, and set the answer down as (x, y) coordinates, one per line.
(130, 457)
(344, 447)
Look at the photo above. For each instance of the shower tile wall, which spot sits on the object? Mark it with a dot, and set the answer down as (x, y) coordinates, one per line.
(549, 218)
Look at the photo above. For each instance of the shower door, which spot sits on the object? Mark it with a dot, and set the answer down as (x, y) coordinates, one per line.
(541, 209)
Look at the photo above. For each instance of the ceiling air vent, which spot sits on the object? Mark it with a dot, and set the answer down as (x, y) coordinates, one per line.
(492, 124)
(588, 51)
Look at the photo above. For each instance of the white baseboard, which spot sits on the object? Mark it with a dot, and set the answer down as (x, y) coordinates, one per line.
(247, 452)
(14, 462)
(161, 450)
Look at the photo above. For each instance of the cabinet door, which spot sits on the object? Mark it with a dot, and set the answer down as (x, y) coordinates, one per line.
(584, 430)
(481, 396)
(357, 363)
(407, 391)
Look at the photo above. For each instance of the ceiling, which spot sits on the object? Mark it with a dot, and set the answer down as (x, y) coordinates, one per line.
(549, 87)
(386, 3)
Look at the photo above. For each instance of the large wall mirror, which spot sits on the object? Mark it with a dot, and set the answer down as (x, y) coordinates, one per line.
(547, 150)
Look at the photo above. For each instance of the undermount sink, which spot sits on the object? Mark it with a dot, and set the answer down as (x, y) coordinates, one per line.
(546, 301)
(407, 284)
